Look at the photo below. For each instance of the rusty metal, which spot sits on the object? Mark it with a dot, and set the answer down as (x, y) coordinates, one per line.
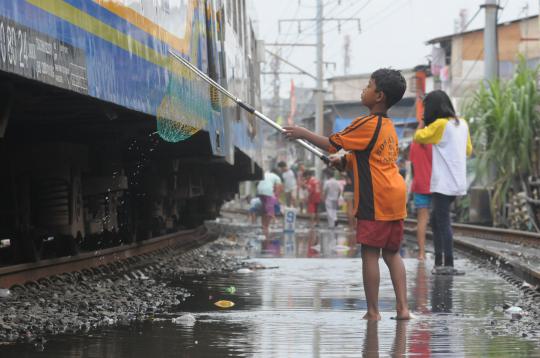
(20, 274)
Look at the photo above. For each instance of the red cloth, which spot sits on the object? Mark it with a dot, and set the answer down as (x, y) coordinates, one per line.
(312, 207)
(314, 190)
(381, 234)
(421, 159)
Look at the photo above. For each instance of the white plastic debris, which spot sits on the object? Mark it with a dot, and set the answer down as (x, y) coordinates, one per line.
(4, 293)
(514, 310)
(244, 270)
(186, 320)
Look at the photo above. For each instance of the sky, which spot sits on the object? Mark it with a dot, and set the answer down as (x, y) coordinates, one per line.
(393, 32)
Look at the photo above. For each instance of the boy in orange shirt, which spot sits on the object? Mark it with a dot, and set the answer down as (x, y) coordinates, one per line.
(380, 191)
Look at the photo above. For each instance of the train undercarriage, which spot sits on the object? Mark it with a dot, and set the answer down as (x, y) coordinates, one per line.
(81, 174)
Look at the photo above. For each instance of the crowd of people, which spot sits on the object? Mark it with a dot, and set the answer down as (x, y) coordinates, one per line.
(299, 188)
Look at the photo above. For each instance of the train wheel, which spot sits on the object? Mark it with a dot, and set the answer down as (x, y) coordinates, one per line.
(28, 247)
(67, 245)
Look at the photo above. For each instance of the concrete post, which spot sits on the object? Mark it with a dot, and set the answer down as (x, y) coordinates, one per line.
(319, 94)
(491, 60)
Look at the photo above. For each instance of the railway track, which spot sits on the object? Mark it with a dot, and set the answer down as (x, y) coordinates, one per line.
(462, 239)
(23, 273)
(503, 258)
(524, 238)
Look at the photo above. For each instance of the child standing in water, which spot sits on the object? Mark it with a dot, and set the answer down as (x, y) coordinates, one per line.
(420, 156)
(380, 191)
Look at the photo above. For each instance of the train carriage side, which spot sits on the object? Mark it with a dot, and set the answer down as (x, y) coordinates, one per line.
(104, 138)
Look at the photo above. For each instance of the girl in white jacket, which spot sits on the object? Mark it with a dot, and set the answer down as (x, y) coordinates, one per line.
(451, 146)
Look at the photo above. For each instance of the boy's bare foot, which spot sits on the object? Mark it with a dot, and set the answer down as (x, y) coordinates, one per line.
(372, 316)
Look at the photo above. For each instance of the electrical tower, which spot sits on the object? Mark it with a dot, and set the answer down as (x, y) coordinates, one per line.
(346, 54)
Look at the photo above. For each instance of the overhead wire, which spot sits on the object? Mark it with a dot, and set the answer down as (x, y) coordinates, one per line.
(374, 20)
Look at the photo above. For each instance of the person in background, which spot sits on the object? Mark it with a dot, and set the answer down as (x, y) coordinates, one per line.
(301, 192)
(289, 184)
(314, 196)
(451, 142)
(267, 189)
(255, 209)
(331, 194)
(348, 196)
(277, 196)
(420, 157)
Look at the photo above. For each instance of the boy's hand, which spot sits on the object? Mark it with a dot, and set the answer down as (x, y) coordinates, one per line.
(336, 162)
(295, 132)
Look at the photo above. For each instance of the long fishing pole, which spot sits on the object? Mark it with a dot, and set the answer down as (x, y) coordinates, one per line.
(246, 106)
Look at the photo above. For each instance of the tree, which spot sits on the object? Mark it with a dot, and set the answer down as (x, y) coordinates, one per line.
(505, 124)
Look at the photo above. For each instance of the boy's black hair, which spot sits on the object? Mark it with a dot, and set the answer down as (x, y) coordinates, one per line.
(437, 104)
(281, 164)
(391, 83)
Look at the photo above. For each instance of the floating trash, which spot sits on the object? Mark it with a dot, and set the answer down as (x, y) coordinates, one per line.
(244, 270)
(230, 290)
(224, 304)
(186, 319)
(341, 248)
(4, 293)
(514, 310)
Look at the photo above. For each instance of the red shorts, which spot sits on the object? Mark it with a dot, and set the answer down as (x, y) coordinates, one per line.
(381, 234)
(312, 206)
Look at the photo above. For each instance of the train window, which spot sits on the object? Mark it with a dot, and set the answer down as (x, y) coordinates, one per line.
(235, 15)
(166, 6)
(242, 20)
(229, 11)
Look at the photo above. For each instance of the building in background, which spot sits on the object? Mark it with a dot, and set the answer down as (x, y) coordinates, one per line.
(276, 148)
(458, 59)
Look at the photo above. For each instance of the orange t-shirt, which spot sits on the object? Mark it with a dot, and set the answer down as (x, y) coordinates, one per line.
(379, 190)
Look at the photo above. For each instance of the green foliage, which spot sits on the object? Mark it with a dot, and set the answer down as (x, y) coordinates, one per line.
(504, 122)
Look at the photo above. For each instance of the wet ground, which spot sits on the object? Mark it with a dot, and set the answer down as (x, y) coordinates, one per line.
(303, 297)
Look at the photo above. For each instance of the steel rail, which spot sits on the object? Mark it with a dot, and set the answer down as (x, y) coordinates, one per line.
(476, 231)
(22, 273)
(246, 106)
(525, 238)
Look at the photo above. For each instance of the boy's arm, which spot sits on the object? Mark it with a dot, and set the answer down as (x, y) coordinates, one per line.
(303, 133)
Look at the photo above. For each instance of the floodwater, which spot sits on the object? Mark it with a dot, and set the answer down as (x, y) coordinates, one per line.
(309, 302)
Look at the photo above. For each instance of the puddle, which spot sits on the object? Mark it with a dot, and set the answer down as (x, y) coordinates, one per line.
(309, 303)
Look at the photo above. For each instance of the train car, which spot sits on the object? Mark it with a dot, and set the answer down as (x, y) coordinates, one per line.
(105, 138)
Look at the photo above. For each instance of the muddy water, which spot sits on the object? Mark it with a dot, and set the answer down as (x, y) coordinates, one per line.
(308, 302)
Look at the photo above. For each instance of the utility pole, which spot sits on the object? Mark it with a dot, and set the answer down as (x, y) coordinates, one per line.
(491, 61)
(346, 55)
(319, 94)
(274, 69)
(319, 89)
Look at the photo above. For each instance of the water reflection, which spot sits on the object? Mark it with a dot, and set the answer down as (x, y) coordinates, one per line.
(420, 333)
(306, 244)
(371, 348)
(313, 308)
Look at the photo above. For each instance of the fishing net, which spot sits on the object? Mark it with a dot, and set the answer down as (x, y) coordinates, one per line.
(188, 105)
